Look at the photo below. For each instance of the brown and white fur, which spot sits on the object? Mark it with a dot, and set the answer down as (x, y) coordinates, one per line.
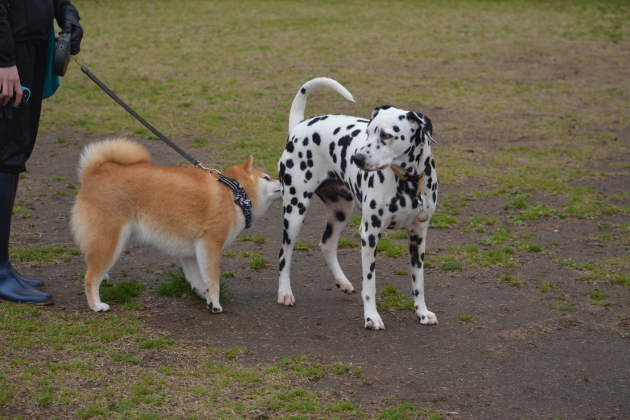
(185, 212)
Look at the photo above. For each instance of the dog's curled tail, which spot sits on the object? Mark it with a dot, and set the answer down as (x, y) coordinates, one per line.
(122, 151)
(299, 103)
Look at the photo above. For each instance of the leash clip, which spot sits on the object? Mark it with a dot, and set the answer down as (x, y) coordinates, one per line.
(210, 171)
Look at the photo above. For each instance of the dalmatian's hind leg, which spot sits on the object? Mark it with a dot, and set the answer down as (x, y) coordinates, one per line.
(294, 213)
(338, 211)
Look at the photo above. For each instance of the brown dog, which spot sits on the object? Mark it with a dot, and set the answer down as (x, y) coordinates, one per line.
(184, 212)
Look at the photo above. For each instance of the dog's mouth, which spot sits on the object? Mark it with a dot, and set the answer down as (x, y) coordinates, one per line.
(382, 167)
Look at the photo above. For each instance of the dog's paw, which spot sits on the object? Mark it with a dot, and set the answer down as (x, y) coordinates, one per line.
(286, 299)
(346, 287)
(426, 317)
(100, 307)
(374, 322)
(215, 309)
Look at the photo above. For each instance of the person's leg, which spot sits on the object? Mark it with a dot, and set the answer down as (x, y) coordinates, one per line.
(12, 289)
(38, 284)
(18, 138)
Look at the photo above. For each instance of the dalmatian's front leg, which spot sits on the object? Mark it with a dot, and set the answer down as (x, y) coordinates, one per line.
(370, 236)
(417, 243)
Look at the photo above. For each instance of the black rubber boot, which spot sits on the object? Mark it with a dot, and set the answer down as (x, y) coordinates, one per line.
(12, 288)
(38, 284)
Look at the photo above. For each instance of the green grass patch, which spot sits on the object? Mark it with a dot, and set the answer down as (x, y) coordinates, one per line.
(235, 351)
(43, 254)
(563, 307)
(407, 411)
(355, 222)
(442, 221)
(390, 248)
(466, 318)
(401, 234)
(257, 261)
(302, 368)
(303, 246)
(259, 239)
(511, 279)
(155, 343)
(123, 292)
(545, 287)
(451, 265)
(390, 299)
(21, 210)
(347, 243)
(126, 358)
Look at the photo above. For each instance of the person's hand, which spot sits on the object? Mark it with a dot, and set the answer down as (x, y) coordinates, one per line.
(71, 26)
(10, 85)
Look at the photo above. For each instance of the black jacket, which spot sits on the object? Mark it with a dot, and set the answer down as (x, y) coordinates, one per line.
(24, 20)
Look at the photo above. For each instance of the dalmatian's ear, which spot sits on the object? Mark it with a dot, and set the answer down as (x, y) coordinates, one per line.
(423, 122)
(377, 109)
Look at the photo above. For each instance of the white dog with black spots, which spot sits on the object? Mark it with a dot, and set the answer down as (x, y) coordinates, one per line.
(385, 165)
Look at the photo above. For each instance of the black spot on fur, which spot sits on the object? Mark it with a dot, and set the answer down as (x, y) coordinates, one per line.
(327, 233)
(302, 166)
(313, 121)
(376, 222)
(336, 130)
(290, 147)
(281, 253)
(305, 141)
(341, 216)
(349, 127)
(316, 139)
(381, 177)
(290, 163)
(372, 240)
(289, 208)
(308, 175)
(287, 179)
(303, 91)
(371, 181)
(282, 263)
(373, 204)
(294, 201)
(396, 129)
(373, 266)
(355, 133)
(369, 277)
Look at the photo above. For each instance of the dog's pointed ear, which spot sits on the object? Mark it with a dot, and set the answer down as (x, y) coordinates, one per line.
(423, 123)
(377, 110)
(249, 165)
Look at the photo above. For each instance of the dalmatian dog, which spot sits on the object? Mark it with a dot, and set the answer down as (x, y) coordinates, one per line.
(385, 165)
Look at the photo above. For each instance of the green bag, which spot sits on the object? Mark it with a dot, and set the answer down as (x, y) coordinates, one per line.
(51, 82)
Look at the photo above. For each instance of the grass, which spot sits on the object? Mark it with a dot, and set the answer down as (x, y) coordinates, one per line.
(390, 299)
(545, 287)
(259, 239)
(176, 285)
(303, 246)
(21, 210)
(466, 318)
(390, 248)
(347, 243)
(257, 261)
(511, 279)
(43, 254)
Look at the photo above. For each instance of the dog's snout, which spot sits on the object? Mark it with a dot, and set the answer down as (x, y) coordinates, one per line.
(359, 159)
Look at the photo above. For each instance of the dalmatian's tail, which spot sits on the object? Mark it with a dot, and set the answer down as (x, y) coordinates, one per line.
(299, 103)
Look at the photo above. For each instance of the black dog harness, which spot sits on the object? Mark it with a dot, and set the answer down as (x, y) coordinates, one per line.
(240, 197)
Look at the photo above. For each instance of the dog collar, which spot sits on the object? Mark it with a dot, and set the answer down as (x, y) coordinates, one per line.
(240, 198)
(407, 177)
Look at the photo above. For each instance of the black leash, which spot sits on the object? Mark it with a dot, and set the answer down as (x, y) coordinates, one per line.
(162, 137)
(240, 196)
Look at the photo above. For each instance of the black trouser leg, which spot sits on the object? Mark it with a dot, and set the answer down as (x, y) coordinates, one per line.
(38, 284)
(12, 288)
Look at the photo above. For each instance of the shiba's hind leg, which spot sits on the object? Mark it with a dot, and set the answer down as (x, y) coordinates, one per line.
(101, 252)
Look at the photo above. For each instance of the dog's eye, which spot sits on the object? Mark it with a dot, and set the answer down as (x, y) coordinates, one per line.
(386, 136)
(267, 178)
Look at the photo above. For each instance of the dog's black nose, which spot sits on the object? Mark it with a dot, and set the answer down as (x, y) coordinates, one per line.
(359, 159)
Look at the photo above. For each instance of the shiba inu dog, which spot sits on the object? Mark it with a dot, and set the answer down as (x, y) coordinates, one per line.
(185, 212)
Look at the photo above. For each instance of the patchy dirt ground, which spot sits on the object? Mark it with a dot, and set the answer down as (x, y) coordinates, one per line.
(519, 358)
